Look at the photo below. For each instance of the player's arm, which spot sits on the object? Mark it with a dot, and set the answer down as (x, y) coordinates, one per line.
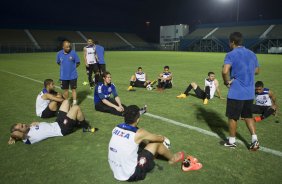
(225, 75)
(217, 88)
(58, 59)
(144, 135)
(273, 100)
(160, 76)
(11, 141)
(84, 56)
(257, 71)
(52, 97)
(77, 60)
(169, 77)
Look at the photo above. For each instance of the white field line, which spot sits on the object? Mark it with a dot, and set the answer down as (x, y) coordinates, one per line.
(170, 121)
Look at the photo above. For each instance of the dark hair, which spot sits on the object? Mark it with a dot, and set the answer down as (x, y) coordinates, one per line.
(12, 129)
(106, 73)
(131, 114)
(259, 84)
(236, 37)
(139, 67)
(47, 82)
(211, 73)
(166, 67)
(90, 39)
(96, 42)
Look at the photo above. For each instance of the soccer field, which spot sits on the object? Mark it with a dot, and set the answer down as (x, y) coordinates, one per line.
(191, 126)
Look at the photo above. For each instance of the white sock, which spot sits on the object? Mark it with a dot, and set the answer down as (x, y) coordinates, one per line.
(254, 137)
(232, 140)
(74, 102)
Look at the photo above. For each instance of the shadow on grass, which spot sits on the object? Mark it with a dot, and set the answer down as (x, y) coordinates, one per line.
(82, 95)
(216, 123)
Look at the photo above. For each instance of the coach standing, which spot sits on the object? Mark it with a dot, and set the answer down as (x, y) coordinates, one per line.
(240, 67)
(68, 61)
(100, 54)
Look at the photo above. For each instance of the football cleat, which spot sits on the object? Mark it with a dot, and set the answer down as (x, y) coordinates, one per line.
(227, 144)
(130, 88)
(143, 110)
(90, 129)
(254, 146)
(182, 95)
(206, 101)
(257, 118)
(189, 164)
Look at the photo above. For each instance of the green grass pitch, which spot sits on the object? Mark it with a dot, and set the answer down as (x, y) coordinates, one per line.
(82, 157)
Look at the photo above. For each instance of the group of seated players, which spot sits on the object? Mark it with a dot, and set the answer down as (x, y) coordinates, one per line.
(131, 149)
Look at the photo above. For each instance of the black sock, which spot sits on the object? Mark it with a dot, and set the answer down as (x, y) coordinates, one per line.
(207, 92)
(188, 89)
(83, 124)
(131, 83)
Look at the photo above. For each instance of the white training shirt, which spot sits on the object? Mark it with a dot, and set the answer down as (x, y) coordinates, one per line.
(90, 54)
(42, 131)
(263, 99)
(140, 76)
(211, 84)
(41, 104)
(123, 155)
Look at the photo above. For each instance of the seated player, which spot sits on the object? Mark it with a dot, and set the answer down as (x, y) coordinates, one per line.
(211, 85)
(165, 79)
(67, 120)
(139, 79)
(48, 100)
(265, 102)
(132, 150)
(102, 95)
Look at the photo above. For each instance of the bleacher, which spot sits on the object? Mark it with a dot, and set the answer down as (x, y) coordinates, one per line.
(215, 38)
(19, 40)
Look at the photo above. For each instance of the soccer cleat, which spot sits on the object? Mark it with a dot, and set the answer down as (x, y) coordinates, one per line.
(130, 88)
(257, 118)
(90, 129)
(189, 164)
(206, 101)
(182, 95)
(143, 110)
(254, 146)
(192, 159)
(233, 145)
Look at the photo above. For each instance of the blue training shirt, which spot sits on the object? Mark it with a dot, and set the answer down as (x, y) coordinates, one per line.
(68, 64)
(100, 53)
(103, 91)
(243, 64)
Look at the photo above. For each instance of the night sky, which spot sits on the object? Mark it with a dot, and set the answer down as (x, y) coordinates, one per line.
(131, 15)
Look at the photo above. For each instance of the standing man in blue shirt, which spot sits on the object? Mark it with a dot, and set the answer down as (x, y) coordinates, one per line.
(68, 61)
(238, 73)
(100, 51)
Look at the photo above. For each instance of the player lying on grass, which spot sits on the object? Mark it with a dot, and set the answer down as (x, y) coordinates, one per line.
(139, 79)
(48, 100)
(265, 102)
(165, 79)
(102, 97)
(211, 85)
(129, 160)
(67, 121)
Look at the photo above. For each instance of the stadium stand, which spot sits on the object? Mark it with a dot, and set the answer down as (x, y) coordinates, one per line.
(51, 40)
(13, 40)
(276, 32)
(134, 39)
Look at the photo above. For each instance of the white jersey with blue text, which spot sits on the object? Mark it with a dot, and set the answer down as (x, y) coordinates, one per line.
(42, 131)
(263, 98)
(123, 155)
(90, 55)
(166, 74)
(211, 84)
(41, 104)
(140, 76)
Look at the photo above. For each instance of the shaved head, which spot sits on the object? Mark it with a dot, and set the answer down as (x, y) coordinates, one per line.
(66, 46)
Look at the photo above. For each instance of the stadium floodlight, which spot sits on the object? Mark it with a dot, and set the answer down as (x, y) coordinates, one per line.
(238, 7)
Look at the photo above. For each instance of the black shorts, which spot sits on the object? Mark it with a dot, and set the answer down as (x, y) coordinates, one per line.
(65, 84)
(47, 113)
(237, 108)
(139, 83)
(258, 109)
(102, 68)
(92, 68)
(145, 164)
(104, 108)
(66, 124)
(200, 93)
